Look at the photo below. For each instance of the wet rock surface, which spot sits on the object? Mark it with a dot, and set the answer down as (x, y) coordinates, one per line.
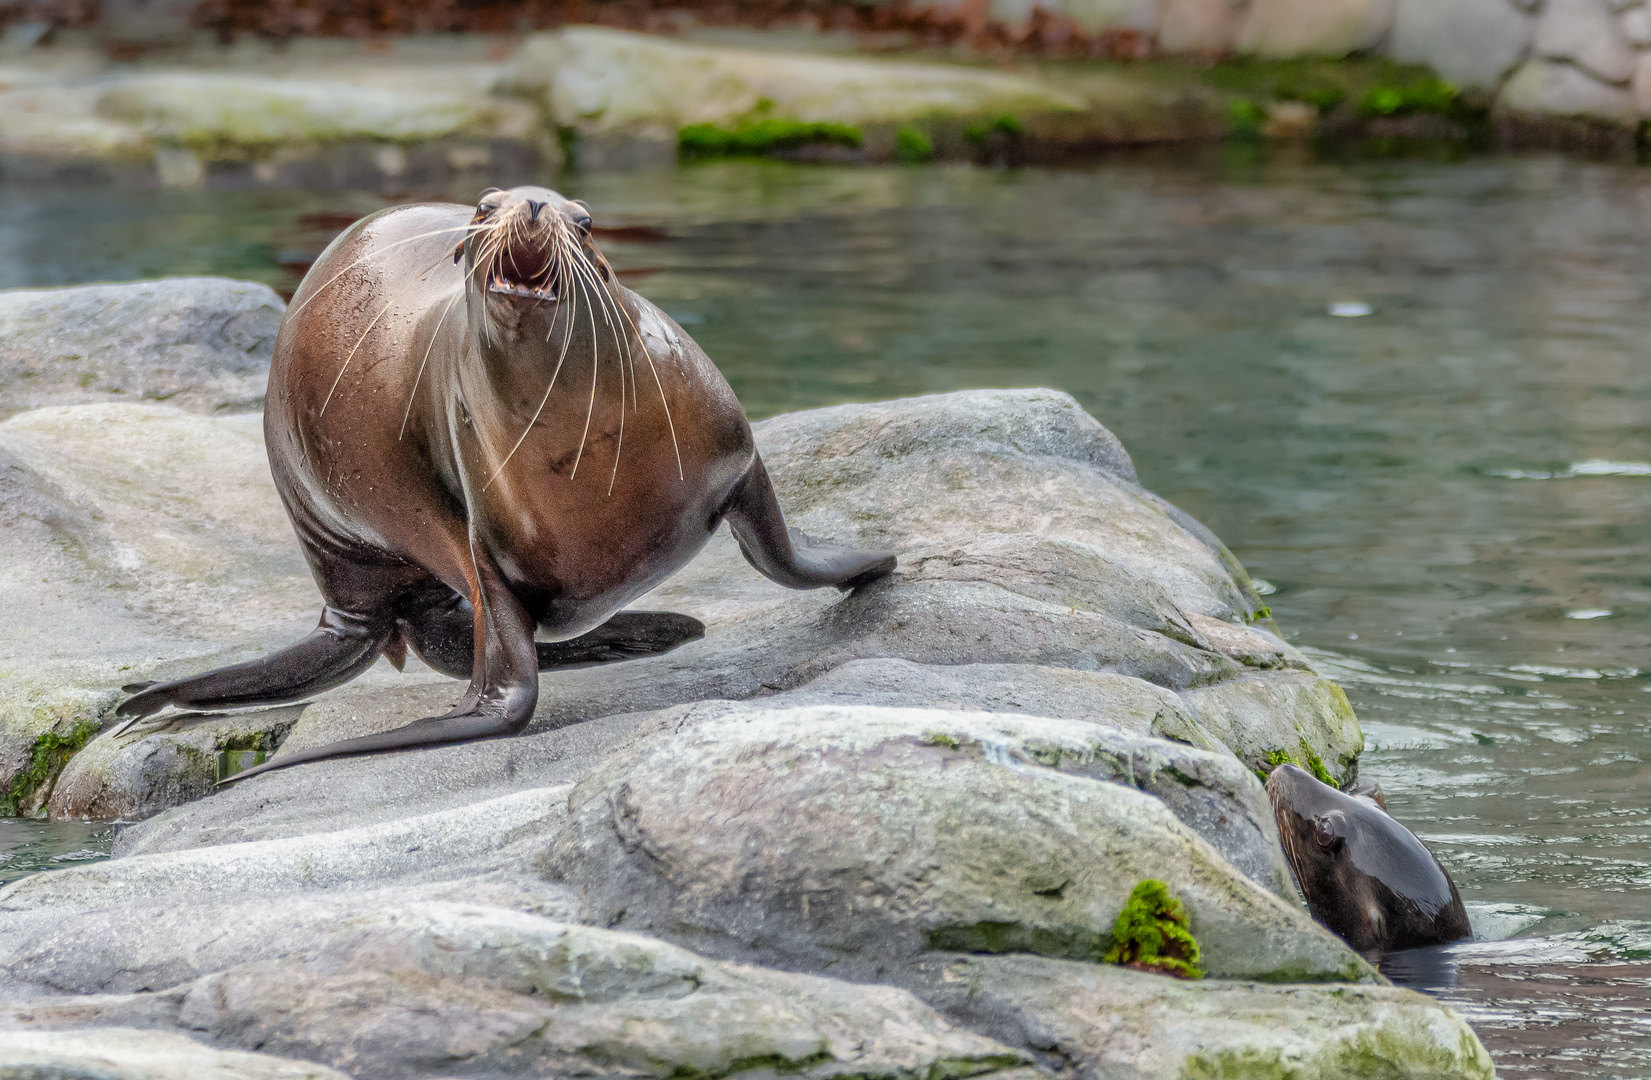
(792, 845)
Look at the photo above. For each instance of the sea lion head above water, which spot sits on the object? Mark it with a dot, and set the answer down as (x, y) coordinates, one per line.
(1365, 876)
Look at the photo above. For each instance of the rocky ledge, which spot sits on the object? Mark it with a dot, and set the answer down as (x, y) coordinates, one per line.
(881, 834)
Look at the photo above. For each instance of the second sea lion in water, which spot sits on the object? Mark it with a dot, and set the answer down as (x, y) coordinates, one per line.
(478, 434)
(1365, 876)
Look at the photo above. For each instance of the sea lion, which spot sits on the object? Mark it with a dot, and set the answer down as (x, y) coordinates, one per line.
(478, 434)
(1365, 876)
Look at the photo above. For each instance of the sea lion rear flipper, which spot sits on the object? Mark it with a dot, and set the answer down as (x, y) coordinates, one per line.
(790, 557)
(504, 685)
(340, 648)
(628, 635)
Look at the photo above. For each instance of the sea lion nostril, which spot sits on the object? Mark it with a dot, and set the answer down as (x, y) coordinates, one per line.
(533, 208)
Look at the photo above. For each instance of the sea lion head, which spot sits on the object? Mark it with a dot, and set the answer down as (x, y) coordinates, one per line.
(528, 252)
(1365, 876)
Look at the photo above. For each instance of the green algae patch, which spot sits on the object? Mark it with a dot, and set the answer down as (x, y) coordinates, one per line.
(1307, 759)
(1151, 934)
(1425, 94)
(1001, 125)
(1246, 119)
(47, 757)
(912, 146)
(758, 138)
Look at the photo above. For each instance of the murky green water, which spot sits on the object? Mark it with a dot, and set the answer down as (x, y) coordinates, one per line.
(1449, 495)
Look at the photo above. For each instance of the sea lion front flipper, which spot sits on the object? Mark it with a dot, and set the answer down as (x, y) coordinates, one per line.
(340, 648)
(628, 635)
(789, 556)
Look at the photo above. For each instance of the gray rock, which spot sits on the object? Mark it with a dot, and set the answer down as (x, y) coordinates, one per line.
(156, 943)
(1283, 28)
(604, 81)
(202, 343)
(1120, 701)
(136, 541)
(1636, 26)
(1584, 33)
(855, 839)
(422, 989)
(1200, 26)
(1300, 715)
(1211, 793)
(437, 846)
(1115, 581)
(1550, 88)
(1472, 43)
(1251, 646)
(412, 914)
(116, 1053)
(1642, 80)
(158, 766)
(1099, 1022)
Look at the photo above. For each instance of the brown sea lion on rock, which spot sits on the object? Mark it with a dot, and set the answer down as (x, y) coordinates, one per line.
(1365, 876)
(478, 433)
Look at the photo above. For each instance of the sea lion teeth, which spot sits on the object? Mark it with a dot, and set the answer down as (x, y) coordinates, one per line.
(509, 288)
(464, 522)
(1364, 875)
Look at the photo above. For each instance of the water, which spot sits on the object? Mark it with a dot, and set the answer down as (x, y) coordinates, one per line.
(1448, 493)
(27, 847)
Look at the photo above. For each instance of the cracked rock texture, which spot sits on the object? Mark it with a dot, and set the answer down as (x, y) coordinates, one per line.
(883, 834)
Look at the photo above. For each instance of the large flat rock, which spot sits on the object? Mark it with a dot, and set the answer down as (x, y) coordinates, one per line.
(832, 800)
(1125, 1025)
(606, 81)
(858, 838)
(426, 988)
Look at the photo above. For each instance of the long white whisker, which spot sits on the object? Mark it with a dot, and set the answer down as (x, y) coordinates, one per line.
(350, 357)
(414, 392)
(595, 370)
(660, 384)
(587, 272)
(380, 251)
(567, 338)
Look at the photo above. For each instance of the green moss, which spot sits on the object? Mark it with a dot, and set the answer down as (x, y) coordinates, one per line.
(1423, 94)
(1315, 765)
(757, 137)
(940, 738)
(1005, 124)
(912, 147)
(46, 759)
(1306, 759)
(1151, 934)
(1245, 119)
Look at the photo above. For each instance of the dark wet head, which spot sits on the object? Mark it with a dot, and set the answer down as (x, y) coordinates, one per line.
(529, 243)
(1365, 876)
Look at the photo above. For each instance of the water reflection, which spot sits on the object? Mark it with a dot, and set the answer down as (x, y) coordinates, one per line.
(1448, 494)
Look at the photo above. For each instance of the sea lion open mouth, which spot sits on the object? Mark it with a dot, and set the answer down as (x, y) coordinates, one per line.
(526, 247)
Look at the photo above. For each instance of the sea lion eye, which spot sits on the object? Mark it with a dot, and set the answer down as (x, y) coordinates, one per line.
(1325, 833)
(579, 214)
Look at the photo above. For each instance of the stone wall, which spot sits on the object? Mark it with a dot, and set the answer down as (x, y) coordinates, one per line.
(1531, 59)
